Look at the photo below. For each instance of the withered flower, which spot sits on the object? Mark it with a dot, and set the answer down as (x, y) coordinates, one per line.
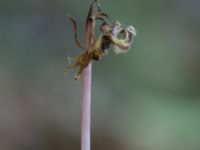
(120, 38)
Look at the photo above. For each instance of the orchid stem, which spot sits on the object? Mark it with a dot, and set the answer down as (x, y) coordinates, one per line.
(86, 109)
(86, 94)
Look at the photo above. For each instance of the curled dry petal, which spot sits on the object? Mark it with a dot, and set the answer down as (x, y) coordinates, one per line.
(122, 45)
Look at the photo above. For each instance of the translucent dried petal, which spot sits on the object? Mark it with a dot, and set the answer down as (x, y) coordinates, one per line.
(120, 45)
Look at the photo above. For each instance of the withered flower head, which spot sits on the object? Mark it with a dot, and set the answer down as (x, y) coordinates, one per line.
(115, 35)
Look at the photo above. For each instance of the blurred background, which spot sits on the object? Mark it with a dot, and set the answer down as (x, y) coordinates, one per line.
(148, 99)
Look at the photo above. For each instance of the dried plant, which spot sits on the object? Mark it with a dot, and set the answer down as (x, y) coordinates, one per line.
(113, 35)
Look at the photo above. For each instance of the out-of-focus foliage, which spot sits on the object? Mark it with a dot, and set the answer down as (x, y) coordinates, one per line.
(148, 99)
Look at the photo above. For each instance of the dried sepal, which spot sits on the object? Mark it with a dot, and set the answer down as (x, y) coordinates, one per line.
(73, 20)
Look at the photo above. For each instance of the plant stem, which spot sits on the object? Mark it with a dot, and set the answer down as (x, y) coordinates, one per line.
(86, 109)
(86, 94)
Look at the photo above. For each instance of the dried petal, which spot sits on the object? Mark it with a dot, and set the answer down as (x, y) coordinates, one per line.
(122, 45)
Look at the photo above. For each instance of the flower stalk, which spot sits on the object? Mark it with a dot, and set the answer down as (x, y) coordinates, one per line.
(86, 93)
(94, 48)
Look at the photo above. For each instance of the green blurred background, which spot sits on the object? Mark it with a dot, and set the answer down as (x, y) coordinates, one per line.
(148, 99)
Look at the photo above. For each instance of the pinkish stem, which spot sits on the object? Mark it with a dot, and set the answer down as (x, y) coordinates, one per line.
(86, 94)
(86, 109)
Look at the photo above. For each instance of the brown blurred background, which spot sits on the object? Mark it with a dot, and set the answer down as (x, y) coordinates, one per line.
(148, 99)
